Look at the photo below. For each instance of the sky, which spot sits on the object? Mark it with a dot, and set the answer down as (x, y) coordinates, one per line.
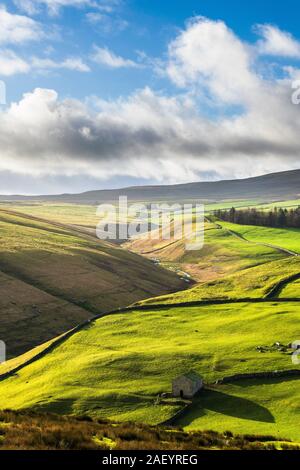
(110, 93)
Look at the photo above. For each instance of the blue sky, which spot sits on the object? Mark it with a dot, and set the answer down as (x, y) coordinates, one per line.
(131, 26)
(124, 92)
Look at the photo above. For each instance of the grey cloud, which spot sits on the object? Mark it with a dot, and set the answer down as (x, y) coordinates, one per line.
(260, 147)
(147, 136)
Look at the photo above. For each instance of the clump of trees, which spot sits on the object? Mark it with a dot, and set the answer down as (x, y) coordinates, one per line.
(277, 217)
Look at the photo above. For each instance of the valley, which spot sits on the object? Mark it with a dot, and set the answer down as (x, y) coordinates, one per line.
(228, 311)
(149, 232)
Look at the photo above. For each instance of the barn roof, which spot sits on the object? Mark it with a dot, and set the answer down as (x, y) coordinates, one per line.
(192, 375)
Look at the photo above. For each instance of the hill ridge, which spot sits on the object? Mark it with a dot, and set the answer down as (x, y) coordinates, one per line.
(285, 184)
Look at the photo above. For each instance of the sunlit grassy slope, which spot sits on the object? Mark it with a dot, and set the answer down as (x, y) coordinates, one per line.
(85, 214)
(237, 261)
(222, 253)
(53, 278)
(117, 366)
(255, 282)
(291, 290)
(77, 214)
(15, 362)
(252, 406)
(285, 204)
(287, 238)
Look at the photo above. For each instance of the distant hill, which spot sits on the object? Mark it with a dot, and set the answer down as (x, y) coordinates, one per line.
(274, 186)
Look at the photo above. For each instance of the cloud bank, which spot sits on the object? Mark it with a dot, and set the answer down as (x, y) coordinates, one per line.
(226, 120)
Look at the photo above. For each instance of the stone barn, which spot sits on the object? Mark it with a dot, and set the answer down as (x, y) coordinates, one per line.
(187, 385)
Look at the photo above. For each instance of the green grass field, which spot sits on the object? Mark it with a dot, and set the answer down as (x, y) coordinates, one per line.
(77, 214)
(242, 204)
(287, 238)
(255, 282)
(85, 214)
(222, 254)
(256, 406)
(291, 290)
(117, 366)
(293, 203)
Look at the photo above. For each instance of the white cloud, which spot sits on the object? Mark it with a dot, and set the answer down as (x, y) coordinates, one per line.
(17, 29)
(11, 64)
(104, 22)
(54, 6)
(95, 17)
(276, 42)
(208, 55)
(104, 56)
(72, 63)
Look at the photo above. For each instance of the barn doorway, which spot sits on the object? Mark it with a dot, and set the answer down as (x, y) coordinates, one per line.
(181, 394)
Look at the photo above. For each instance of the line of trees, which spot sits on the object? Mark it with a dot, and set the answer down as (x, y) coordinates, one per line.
(277, 217)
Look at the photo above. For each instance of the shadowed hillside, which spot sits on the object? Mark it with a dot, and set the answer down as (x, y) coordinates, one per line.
(52, 278)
